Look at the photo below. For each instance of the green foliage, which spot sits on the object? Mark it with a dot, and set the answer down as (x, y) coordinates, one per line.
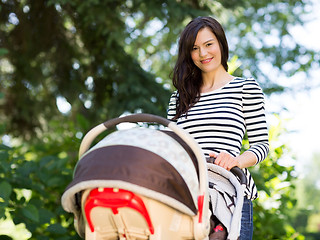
(106, 58)
(109, 57)
(275, 183)
(306, 217)
(33, 178)
(70, 43)
(308, 186)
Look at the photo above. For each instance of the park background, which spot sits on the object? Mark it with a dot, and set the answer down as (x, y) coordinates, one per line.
(68, 65)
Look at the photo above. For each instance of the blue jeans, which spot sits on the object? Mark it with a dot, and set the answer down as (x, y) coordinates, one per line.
(246, 230)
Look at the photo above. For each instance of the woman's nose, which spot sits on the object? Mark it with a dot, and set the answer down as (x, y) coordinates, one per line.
(202, 52)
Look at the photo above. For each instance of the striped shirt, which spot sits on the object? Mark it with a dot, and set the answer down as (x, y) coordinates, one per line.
(220, 119)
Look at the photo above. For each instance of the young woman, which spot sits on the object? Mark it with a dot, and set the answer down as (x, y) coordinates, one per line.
(218, 109)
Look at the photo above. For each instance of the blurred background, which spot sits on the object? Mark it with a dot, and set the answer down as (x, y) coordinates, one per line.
(68, 65)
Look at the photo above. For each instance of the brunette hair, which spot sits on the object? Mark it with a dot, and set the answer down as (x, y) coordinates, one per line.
(187, 77)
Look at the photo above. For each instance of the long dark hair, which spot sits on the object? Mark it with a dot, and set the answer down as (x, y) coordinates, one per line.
(187, 77)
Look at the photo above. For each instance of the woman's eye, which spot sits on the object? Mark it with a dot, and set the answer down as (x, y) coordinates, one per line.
(194, 48)
(209, 44)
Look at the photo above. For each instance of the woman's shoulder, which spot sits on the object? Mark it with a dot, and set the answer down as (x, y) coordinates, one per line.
(247, 83)
(249, 80)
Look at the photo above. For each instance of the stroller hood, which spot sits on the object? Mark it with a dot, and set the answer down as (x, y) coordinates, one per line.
(146, 160)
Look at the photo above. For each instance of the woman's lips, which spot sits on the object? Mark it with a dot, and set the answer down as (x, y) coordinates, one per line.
(206, 60)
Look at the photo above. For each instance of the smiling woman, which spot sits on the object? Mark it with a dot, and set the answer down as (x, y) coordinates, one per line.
(217, 109)
(206, 55)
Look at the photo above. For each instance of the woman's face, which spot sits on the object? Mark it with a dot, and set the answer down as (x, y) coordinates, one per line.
(206, 53)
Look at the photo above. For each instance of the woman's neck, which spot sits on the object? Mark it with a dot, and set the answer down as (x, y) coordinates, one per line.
(215, 80)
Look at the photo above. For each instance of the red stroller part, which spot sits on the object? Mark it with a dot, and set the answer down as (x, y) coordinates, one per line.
(114, 199)
(143, 183)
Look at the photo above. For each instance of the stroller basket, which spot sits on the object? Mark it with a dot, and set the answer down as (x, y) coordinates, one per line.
(141, 183)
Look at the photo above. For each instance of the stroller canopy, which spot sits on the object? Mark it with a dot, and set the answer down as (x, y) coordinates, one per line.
(147, 161)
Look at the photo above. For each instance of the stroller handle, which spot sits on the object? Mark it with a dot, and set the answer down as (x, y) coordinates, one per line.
(239, 173)
(134, 118)
(235, 170)
(203, 228)
(143, 117)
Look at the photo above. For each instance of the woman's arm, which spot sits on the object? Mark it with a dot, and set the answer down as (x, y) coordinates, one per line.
(255, 119)
(256, 128)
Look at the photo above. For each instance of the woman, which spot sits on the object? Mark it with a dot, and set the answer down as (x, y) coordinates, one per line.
(218, 109)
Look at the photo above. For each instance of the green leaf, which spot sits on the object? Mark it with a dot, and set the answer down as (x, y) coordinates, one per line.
(3, 51)
(5, 237)
(2, 212)
(4, 164)
(3, 146)
(43, 238)
(54, 181)
(31, 212)
(83, 122)
(57, 229)
(45, 215)
(27, 168)
(6, 190)
(4, 156)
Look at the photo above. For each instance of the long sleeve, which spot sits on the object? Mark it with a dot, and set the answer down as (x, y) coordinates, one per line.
(221, 118)
(255, 119)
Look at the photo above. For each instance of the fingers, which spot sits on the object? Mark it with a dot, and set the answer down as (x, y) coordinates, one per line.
(225, 160)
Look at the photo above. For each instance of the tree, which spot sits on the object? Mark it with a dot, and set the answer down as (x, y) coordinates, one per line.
(33, 178)
(309, 184)
(272, 218)
(106, 58)
(306, 217)
(100, 55)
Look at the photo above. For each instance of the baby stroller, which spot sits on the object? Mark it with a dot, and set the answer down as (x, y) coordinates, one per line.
(143, 183)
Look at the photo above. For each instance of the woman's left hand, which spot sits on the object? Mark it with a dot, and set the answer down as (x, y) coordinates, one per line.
(225, 160)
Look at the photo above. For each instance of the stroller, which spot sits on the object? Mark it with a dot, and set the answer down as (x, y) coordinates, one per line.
(144, 183)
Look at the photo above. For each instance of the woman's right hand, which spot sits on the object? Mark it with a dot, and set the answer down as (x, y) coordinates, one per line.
(225, 160)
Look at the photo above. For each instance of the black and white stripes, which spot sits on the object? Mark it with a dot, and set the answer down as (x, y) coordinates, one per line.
(220, 119)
